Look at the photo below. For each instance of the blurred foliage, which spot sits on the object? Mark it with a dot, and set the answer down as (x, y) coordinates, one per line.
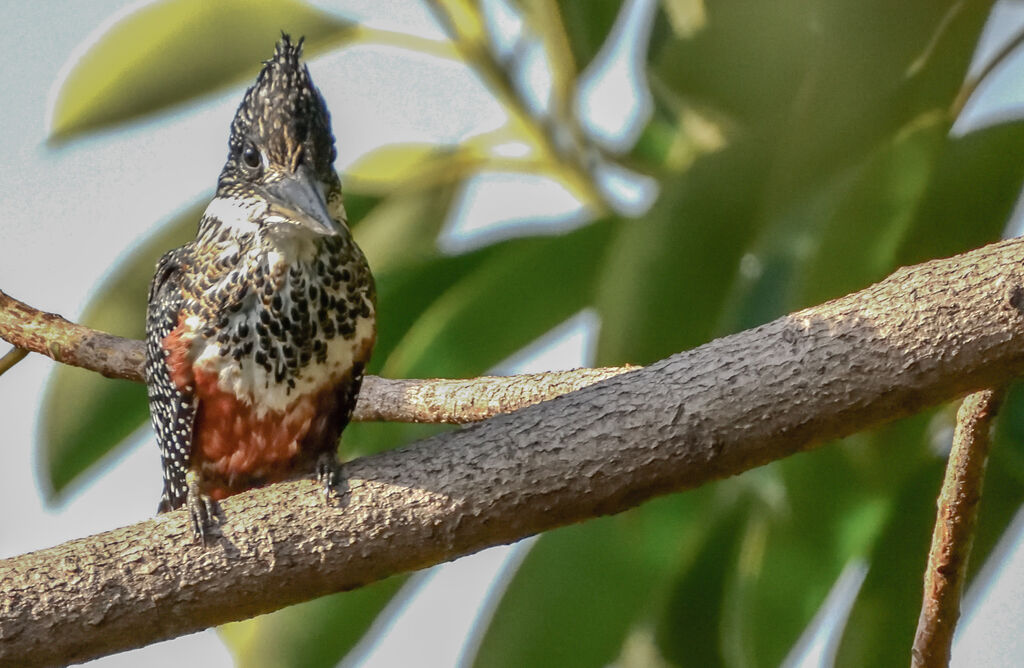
(314, 634)
(167, 52)
(802, 149)
(85, 415)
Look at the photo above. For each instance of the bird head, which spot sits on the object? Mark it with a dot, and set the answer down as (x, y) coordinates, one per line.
(279, 170)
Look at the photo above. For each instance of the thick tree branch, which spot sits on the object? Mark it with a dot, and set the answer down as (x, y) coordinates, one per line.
(925, 335)
(439, 401)
(954, 530)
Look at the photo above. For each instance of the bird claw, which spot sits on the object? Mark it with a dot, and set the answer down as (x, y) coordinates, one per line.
(202, 509)
(328, 474)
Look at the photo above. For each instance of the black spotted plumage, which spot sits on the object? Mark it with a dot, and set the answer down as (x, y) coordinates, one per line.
(172, 408)
(258, 331)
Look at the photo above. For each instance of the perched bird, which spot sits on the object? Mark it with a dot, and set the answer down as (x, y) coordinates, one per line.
(258, 331)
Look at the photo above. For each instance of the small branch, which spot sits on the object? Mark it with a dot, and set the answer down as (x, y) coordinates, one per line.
(459, 401)
(51, 335)
(438, 401)
(12, 357)
(558, 136)
(923, 336)
(954, 530)
(973, 83)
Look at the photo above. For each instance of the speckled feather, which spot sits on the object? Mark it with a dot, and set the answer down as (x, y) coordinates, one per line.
(258, 331)
(172, 408)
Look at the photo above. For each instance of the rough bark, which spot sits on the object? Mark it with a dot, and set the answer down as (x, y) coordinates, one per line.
(51, 335)
(925, 335)
(464, 400)
(953, 535)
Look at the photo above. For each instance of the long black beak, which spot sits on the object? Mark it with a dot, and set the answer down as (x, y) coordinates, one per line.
(297, 198)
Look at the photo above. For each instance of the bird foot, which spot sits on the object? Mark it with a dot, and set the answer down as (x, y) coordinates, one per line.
(202, 510)
(328, 474)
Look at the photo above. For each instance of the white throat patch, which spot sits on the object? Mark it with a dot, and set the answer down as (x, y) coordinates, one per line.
(237, 214)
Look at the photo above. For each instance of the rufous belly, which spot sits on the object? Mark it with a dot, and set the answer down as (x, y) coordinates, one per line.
(235, 448)
(238, 443)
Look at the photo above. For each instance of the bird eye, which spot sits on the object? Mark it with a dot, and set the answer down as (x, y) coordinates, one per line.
(251, 156)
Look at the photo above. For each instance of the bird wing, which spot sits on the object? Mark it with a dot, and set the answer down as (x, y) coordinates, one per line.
(172, 408)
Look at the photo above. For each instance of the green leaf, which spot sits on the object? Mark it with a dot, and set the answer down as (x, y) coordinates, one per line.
(667, 276)
(748, 60)
(796, 74)
(582, 588)
(398, 238)
(169, 52)
(404, 293)
(457, 316)
(971, 194)
(85, 415)
(764, 289)
(383, 168)
(776, 557)
(880, 630)
(587, 26)
(858, 243)
(847, 106)
(692, 631)
(526, 288)
(830, 506)
(358, 206)
(922, 195)
(820, 120)
(320, 632)
(402, 230)
(1009, 435)
(784, 571)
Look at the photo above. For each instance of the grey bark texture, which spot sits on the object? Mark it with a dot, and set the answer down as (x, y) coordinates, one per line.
(925, 335)
(953, 535)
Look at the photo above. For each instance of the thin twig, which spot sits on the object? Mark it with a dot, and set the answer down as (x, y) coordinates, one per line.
(560, 138)
(972, 84)
(434, 401)
(51, 335)
(13, 356)
(954, 530)
(944, 23)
